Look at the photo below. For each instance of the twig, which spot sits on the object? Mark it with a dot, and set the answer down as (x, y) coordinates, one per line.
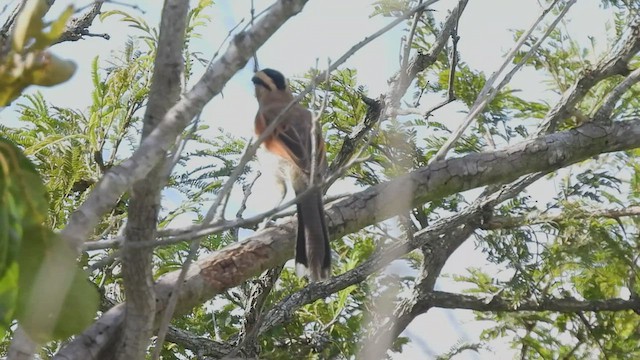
(350, 144)
(403, 78)
(78, 27)
(190, 233)
(412, 32)
(224, 41)
(603, 114)
(453, 65)
(587, 324)
(253, 310)
(121, 3)
(181, 143)
(251, 150)
(256, 66)
(315, 127)
(246, 193)
(488, 92)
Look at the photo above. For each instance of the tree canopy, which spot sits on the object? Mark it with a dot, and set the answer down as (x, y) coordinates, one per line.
(124, 228)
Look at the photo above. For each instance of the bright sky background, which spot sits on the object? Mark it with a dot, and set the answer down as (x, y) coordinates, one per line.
(326, 29)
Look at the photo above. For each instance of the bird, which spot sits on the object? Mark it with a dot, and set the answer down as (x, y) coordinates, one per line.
(291, 141)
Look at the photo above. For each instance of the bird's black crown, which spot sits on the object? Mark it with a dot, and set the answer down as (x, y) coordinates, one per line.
(276, 76)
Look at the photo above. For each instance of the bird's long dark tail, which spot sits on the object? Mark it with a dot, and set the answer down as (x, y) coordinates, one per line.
(313, 253)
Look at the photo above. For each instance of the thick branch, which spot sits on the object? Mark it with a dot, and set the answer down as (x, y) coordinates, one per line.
(79, 27)
(144, 207)
(151, 151)
(446, 300)
(609, 103)
(615, 63)
(234, 264)
(201, 346)
(505, 222)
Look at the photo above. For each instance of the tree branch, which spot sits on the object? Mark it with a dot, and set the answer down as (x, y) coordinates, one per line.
(154, 146)
(504, 222)
(488, 92)
(447, 300)
(421, 61)
(606, 109)
(201, 346)
(234, 264)
(615, 63)
(144, 206)
(78, 27)
(436, 254)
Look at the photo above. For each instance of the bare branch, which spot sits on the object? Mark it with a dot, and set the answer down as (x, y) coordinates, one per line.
(144, 206)
(421, 61)
(514, 222)
(605, 110)
(453, 65)
(271, 247)
(614, 63)
(79, 27)
(446, 300)
(488, 93)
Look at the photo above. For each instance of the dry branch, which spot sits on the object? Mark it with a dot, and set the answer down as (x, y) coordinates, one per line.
(234, 264)
(614, 63)
(144, 206)
(504, 222)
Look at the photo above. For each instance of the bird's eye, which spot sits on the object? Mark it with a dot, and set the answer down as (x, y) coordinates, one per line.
(259, 82)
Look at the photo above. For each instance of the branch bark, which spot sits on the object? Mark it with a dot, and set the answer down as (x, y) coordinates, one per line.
(153, 148)
(615, 63)
(234, 264)
(421, 61)
(447, 300)
(137, 266)
(503, 222)
(78, 27)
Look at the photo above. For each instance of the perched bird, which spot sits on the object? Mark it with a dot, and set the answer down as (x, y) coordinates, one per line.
(291, 142)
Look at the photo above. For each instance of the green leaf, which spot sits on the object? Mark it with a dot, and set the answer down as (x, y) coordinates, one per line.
(59, 25)
(55, 298)
(8, 296)
(29, 23)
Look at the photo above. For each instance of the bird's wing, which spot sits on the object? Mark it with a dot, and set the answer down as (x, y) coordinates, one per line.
(294, 133)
